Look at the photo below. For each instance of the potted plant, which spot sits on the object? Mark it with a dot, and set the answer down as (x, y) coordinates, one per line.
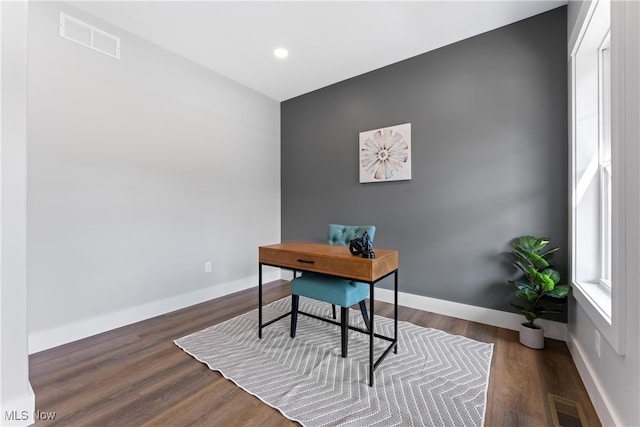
(531, 256)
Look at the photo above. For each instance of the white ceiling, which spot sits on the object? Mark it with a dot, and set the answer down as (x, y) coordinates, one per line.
(328, 41)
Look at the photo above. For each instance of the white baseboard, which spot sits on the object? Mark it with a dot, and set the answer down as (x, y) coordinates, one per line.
(596, 391)
(502, 319)
(25, 407)
(20, 411)
(43, 340)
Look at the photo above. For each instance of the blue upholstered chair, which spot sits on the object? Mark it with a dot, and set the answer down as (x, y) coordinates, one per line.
(334, 290)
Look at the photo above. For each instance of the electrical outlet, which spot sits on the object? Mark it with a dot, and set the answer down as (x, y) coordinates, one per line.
(207, 267)
(597, 344)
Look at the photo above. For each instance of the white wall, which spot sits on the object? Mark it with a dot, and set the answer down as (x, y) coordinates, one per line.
(140, 171)
(16, 397)
(613, 380)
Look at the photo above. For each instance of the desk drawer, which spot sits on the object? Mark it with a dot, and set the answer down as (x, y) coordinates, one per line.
(352, 266)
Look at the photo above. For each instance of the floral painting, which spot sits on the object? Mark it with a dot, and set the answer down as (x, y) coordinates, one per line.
(385, 154)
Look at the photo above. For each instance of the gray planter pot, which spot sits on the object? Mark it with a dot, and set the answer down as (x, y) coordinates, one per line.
(532, 338)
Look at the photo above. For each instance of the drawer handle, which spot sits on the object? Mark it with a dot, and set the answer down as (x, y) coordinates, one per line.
(306, 261)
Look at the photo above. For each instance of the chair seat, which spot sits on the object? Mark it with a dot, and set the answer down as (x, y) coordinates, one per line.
(329, 289)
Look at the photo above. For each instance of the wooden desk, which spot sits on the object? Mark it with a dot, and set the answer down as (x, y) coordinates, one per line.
(335, 261)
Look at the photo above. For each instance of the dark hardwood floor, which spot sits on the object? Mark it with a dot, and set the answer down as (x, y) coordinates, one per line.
(137, 376)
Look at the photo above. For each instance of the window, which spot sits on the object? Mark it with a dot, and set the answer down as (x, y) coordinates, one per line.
(591, 161)
(599, 215)
(604, 160)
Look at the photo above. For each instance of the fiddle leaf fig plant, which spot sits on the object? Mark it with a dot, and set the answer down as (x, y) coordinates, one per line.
(531, 256)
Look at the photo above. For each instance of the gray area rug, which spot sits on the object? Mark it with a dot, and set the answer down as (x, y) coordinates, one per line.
(436, 379)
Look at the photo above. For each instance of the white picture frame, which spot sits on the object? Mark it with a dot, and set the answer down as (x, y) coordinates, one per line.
(385, 154)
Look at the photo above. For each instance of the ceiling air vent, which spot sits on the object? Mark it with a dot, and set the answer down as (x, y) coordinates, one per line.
(89, 36)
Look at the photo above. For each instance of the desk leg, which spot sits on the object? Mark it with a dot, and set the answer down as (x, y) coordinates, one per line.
(395, 311)
(260, 300)
(371, 333)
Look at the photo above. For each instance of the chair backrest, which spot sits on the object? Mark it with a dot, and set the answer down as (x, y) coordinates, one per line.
(341, 235)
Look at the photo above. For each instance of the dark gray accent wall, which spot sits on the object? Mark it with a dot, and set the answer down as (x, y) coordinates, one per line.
(489, 149)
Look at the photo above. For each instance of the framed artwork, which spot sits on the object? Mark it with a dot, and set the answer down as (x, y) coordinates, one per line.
(385, 154)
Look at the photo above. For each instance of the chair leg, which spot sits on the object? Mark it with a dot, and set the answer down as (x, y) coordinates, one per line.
(365, 315)
(333, 306)
(344, 329)
(294, 314)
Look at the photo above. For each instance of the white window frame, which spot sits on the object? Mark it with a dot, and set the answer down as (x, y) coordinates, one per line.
(603, 302)
(604, 160)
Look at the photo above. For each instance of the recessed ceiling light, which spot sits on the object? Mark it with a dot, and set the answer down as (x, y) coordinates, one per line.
(281, 52)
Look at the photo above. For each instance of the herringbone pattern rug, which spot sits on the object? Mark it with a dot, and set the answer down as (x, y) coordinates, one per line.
(436, 379)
